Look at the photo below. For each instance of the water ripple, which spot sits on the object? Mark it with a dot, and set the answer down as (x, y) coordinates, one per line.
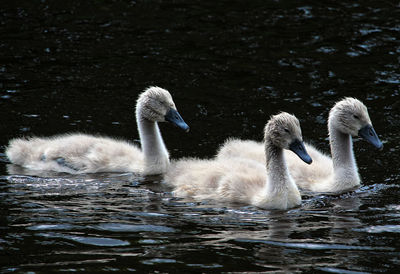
(315, 246)
(51, 227)
(159, 261)
(229, 67)
(340, 270)
(96, 241)
(115, 227)
(380, 229)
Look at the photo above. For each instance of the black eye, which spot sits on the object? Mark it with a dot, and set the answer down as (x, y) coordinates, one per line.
(287, 130)
(356, 117)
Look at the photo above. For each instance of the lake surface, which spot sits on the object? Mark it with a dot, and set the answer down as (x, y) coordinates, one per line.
(78, 66)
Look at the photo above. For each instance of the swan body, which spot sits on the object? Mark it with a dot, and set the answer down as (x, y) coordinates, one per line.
(348, 117)
(239, 180)
(82, 153)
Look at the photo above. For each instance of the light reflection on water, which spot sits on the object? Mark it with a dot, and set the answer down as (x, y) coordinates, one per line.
(114, 217)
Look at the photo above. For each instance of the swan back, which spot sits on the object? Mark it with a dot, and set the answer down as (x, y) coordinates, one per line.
(235, 179)
(81, 153)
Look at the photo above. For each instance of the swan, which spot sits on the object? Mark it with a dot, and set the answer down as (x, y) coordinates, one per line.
(266, 185)
(348, 117)
(83, 153)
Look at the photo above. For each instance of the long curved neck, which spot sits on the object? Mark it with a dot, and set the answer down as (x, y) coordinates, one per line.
(153, 147)
(279, 191)
(278, 174)
(344, 164)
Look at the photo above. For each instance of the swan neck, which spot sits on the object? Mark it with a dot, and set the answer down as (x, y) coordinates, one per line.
(278, 175)
(153, 146)
(344, 163)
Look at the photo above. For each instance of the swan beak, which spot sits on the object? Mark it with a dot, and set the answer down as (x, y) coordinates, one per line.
(298, 147)
(175, 118)
(368, 133)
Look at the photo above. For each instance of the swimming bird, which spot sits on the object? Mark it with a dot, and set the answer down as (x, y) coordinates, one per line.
(239, 180)
(348, 117)
(83, 153)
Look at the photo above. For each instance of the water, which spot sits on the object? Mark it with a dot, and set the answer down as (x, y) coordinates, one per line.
(79, 66)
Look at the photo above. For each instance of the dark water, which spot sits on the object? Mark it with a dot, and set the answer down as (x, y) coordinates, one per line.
(69, 66)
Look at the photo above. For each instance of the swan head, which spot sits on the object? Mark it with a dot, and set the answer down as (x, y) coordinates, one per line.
(155, 104)
(350, 116)
(284, 131)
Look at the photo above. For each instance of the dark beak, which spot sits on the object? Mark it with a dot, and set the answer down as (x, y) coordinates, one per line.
(173, 117)
(368, 133)
(297, 147)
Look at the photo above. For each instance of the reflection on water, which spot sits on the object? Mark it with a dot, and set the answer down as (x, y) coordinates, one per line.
(79, 66)
(120, 222)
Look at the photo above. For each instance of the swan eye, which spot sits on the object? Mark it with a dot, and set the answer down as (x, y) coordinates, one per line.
(356, 117)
